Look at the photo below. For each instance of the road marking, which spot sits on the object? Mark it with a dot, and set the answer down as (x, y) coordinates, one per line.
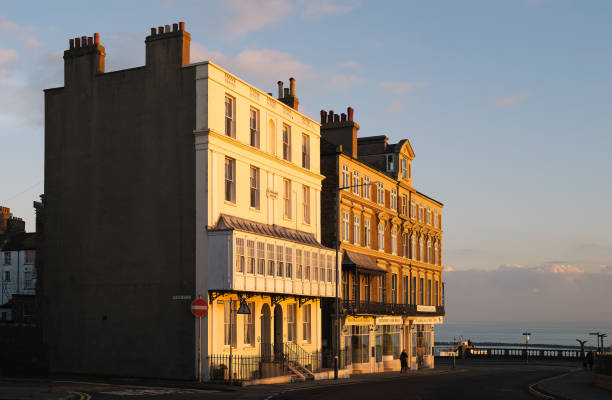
(136, 386)
(82, 395)
(542, 394)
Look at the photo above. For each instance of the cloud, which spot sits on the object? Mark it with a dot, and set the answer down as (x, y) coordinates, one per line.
(13, 32)
(345, 81)
(400, 88)
(253, 15)
(314, 9)
(553, 291)
(351, 65)
(33, 43)
(606, 269)
(8, 58)
(511, 100)
(395, 106)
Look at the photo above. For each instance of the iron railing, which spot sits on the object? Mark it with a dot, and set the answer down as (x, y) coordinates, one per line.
(353, 307)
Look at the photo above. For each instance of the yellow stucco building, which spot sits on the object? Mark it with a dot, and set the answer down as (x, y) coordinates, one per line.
(258, 191)
(390, 238)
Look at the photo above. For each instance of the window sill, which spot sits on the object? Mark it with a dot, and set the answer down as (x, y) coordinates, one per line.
(230, 203)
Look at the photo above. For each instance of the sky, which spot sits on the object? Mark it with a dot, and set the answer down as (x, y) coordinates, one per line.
(505, 102)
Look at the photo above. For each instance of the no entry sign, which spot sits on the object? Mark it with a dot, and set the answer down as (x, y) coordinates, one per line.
(199, 307)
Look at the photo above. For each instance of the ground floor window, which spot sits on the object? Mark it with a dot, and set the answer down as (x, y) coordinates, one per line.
(227, 314)
(357, 342)
(249, 326)
(291, 323)
(390, 339)
(307, 326)
(422, 341)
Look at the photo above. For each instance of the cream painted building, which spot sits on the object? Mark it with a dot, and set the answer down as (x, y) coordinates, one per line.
(258, 218)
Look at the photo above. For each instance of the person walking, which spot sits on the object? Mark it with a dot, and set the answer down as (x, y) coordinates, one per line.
(404, 361)
(590, 359)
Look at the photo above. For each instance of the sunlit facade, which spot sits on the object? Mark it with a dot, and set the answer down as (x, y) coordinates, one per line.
(391, 240)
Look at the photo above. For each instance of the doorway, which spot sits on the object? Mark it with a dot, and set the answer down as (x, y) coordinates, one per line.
(278, 330)
(266, 340)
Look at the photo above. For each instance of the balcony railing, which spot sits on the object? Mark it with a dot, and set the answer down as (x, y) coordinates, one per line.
(353, 307)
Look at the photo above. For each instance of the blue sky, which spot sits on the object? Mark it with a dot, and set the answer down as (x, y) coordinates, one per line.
(506, 103)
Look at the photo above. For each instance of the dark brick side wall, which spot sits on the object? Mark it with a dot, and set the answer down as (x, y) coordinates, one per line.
(329, 199)
(119, 230)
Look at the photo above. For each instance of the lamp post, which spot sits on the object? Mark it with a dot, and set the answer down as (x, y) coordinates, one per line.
(603, 335)
(338, 190)
(596, 334)
(527, 337)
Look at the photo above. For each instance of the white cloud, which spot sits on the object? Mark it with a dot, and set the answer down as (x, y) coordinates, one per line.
(253, 15)
(314, 9)
(400, 88)
(8, 58)
(351, 65)
(511, 100)
(395, 106)
(33, 43)
(345, 81)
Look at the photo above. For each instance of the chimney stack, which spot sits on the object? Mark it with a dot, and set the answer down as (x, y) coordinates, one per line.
(168, 47)
(287, 95)
(341, 130)
(83, 60)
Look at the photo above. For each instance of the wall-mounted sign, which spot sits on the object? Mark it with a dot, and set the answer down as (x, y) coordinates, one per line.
(359, 321)
(431, 320)
(389, 321)
(181, 297)
(426, 308)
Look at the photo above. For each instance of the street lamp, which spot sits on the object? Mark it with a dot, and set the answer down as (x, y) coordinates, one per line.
(527, 337)
(598, 335)
(582, 342)
(338, 190)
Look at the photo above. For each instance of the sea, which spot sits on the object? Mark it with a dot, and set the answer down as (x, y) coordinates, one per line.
(557, 333)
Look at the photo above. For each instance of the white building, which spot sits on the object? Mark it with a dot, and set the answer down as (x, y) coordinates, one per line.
(258, 221)
(17, 270)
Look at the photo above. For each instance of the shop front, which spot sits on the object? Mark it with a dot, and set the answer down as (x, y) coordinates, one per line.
(420, 333)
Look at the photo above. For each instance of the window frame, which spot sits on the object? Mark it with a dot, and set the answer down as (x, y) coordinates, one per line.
(255, 131)
(381, 237)
(255, 188)
(366, 187)
(287, 206)
(356, 229)
(230, 120)
(306, 204)
(230, 182)
(305, 151)
(367, 232)
(287, 142)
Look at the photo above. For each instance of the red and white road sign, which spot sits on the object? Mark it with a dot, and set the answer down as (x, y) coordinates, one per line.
(199, 307)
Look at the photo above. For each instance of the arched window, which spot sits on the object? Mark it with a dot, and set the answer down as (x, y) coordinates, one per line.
(272, 137)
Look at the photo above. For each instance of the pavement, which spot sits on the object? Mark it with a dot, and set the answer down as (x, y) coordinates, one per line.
(470, 380)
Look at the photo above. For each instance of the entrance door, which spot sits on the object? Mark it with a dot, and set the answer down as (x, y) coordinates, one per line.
(266, 339)
(278, 331)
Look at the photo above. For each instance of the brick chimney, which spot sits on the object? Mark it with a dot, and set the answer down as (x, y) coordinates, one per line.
(168, 46)
(288, 96)
(340, 130)
(83, 60)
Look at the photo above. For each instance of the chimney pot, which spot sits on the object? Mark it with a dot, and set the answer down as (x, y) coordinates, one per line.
(83, 41)
(280, 89)
(330, 117)
(269, 93)
(160, 29)
(343, 117)
(153, 31)
(286, 90)
(167, 29)
(77, 42)
(336, 118)
(292, 86)
(174, 27)
(96, 38)
(182, 26)
(90, 41)
(71, 42)
(323, 117)
(350, 113)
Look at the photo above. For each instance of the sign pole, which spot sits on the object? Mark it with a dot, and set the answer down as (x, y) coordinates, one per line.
(200, 351)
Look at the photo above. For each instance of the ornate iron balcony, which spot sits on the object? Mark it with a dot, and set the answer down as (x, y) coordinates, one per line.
(354, 307)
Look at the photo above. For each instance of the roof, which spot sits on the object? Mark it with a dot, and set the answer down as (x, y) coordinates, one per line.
(275, 231)
(362, 262)
(20, 241)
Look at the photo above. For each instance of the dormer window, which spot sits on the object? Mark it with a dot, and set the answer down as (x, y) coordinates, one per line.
(390, 163)
(404, 169)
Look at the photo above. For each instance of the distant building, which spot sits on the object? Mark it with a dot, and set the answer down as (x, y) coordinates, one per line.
(169, 181)
(391, 241)
(17, 261)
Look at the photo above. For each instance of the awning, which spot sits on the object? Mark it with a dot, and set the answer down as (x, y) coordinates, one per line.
(361, 262)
